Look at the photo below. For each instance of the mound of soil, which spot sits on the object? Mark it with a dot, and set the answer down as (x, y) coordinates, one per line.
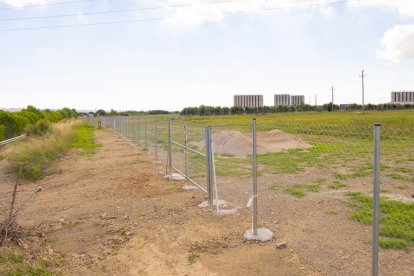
(236, 143)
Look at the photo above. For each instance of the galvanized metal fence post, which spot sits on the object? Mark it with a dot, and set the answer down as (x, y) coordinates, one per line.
(208, 164)
(124, 125)
(138, 131)
(376, 199)
(145, 134)
(155, 141)
(186, 149)
(254, 179)
(169, 149)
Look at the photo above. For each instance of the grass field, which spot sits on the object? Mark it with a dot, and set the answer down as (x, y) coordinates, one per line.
(400, 119)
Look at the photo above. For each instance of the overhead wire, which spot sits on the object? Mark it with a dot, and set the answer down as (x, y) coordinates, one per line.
(157, 18)
(48, 4)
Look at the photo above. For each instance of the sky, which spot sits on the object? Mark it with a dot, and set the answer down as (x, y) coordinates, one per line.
(171, 54)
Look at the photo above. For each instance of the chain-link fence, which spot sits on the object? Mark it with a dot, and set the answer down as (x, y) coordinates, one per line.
(314, 183)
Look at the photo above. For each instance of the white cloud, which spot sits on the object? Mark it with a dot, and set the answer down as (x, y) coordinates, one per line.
(397, 43)
(199, 11)
(403, 7)
(22, 3)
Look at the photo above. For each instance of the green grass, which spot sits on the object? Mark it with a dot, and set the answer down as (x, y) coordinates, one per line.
(396, 222)
(300, 190)
(403, 169)
(274, 187)
(402, 187)
(394, 244)
(402, 119)
(360, 171)
(332, 213)
(13, 264)
(337, 185)
(85, 139)
(320, 181)
(396, 176)
(10, 256)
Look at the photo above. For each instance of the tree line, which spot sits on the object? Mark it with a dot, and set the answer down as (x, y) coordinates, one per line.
(14, 123)
(101, 112)
(204, 110)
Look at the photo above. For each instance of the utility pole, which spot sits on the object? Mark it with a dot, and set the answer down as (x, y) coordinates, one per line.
(316, 100)
(332, 99)
(363, 90)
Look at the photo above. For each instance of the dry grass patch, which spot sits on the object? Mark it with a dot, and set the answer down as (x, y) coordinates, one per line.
(36, 154)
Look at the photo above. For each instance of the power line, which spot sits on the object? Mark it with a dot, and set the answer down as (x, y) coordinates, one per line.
(83, 13)
(363, 90)
(49, 4)
(151, 8)
(154, 19)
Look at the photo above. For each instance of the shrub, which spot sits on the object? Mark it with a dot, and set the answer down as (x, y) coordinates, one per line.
(15, 123)
(2, 132)
(42, 127)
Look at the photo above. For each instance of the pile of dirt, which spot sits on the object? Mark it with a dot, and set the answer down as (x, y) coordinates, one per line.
(236, 143)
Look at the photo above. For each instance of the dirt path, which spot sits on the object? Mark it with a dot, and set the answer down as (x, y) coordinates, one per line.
(113, 213)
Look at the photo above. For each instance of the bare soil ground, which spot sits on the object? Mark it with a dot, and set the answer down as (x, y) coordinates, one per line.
(113, 213)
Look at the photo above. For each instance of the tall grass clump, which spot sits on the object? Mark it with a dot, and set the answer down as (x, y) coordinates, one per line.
(36, 153)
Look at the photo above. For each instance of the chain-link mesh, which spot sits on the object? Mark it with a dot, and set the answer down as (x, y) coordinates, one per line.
(396, 230)
(315, 183)
(233, 165)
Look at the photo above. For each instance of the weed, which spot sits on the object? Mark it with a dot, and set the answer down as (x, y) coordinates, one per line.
(299, 190)
(403, 169)
(331, 213)
(13, 263)
(320, 181)
(337, 185)
(396, 176)
(9, 256)
(274, 187)
(191, 257)
(402, 187)
(315, 187)
(51, 262)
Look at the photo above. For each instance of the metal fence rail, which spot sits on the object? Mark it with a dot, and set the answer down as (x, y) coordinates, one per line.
(14, 139)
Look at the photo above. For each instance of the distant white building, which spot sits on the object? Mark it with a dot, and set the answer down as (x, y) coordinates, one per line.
(287, 100)
(297, 100)
(250, 101)
(402, 97)
(11, 109)
(282, 99)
